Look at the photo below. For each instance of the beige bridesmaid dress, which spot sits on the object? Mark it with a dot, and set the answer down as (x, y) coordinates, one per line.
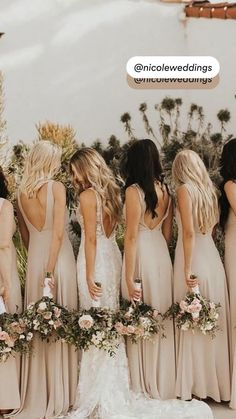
(202, 362)
(152, 363)
(230, 267)
(10, 370)
(49, 375)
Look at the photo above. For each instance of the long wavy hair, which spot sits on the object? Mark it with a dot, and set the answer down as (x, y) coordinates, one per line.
(228, 172)
(92, 171)
(142, 166)
(42, 164)
(189, 169)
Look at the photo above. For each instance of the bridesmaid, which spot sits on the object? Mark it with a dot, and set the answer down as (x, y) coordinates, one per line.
(11, 293)
(148, 214)
(49, 377)
(228, 223)
(202, 362)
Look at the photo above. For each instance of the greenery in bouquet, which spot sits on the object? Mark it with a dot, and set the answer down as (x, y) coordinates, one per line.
(15, 336)
(94, 328)
(195, 312)
(47, 319)
(139, 321)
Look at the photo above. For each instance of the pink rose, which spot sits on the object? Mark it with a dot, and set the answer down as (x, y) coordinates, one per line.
(183, 305)
(4, 335)
(121, 329)
(86, 321)
(130, 329)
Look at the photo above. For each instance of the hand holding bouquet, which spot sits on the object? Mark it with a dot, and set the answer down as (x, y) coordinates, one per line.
(195, 312)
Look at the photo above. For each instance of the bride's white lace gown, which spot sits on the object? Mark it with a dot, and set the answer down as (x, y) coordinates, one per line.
(103, 390)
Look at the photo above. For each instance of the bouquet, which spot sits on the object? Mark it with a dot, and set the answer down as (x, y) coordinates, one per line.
(47, 319)
(15, 336)
(94, 328)
(139, 321)
(195, 312)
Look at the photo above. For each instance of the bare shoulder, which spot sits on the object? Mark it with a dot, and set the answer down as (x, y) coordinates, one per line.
(182, 191)
(58, 189)
(7, 210)
(230, 187)
(7, 206)
(88, 197)
(132, 193)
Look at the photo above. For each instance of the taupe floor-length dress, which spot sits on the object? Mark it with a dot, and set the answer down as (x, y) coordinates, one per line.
(152, 363)
(202, 362)
(10, 370)
(49, 376)
(230, 267)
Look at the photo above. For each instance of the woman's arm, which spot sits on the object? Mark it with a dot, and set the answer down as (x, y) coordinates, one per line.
(59, 195)
(6, 227)
(133, 214)
(88, 208)
(185, 209)
(23, 227)
(230, 190)
(167, 226)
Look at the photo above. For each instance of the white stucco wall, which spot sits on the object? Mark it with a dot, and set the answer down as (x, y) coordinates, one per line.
(64, 60)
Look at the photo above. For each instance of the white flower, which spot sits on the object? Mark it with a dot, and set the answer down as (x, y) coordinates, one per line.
(6, 350)
(209, 326)
(51, 322)
(195, 315)
(42, 306)
(86, 321)
(29, 336)
(185, 326)
(22, 337)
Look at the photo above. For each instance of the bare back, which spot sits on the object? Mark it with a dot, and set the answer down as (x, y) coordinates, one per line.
(35, 209)
(161, 208)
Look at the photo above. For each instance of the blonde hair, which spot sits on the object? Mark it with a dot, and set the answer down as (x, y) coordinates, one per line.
(42, 163)
(188, 169)
(95, 173)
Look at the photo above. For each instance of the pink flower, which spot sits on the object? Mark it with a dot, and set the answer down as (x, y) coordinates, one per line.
(155, 313)
(183, 305)
(57, 311)
(57, 324)
(130, 329)
(86, 321)
(4, 335)
(10, 342)
(47, 315)
(121, 329)
(195, 307)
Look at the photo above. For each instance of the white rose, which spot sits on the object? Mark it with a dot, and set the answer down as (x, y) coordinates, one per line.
(29, 336)
(22, 337)
(42, 306)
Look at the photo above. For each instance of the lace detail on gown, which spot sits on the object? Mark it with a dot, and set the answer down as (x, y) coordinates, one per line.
(103, 390)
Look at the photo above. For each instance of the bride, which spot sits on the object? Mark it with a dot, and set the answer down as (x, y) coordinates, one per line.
(103, 390)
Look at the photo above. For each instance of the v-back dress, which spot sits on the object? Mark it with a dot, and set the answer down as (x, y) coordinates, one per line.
(152, 364)
(49, 375)
(202, 362)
